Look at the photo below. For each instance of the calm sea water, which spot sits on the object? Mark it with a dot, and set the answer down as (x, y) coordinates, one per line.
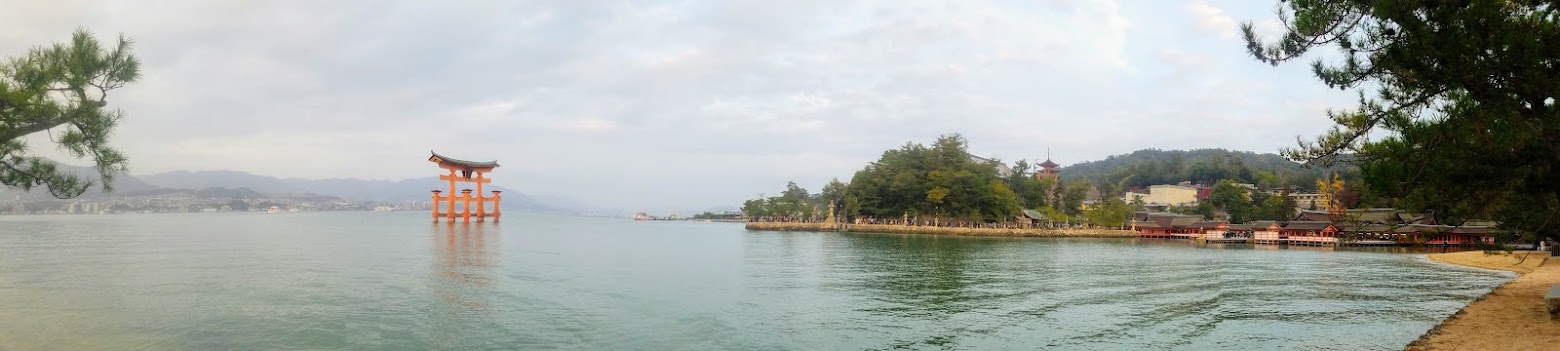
(393, 281)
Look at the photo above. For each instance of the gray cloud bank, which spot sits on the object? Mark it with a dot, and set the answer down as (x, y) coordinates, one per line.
(675, 104)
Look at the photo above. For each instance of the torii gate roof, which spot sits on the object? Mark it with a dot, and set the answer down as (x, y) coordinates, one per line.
(446, 162)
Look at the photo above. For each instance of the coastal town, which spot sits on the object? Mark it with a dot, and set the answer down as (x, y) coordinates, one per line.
(192, 201)
(1166, 211)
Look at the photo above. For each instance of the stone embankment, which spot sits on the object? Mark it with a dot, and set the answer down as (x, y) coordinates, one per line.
(956, 231)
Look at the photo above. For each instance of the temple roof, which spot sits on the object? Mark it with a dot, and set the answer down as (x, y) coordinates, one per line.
(1465, 229)
(1048, 164)
(469, 164)
(1366, 228)
(1205, 224)
(1308, 225)
(1261, 225)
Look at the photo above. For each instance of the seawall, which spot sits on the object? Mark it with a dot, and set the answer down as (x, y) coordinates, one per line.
(908, 229)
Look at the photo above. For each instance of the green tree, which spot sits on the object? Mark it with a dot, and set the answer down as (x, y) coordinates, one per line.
(1031, 192)
(1457, 110)
(1204, 209)
(1000, 202)
(1233, 199)
(1109, 212)
(833, 194)
(1277, 207)
(756, 208)
(929, 183)
(1072, 197)
(64, 85)
(1042, 193)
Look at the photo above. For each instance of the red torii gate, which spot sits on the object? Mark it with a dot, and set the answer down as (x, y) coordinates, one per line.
(464, 171)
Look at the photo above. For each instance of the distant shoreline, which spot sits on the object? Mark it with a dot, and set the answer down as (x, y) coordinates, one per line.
(931, 230)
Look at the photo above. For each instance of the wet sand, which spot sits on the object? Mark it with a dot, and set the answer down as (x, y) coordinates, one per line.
(1510, 318)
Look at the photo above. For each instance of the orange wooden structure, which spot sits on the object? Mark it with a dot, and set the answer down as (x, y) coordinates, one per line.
(462, 171)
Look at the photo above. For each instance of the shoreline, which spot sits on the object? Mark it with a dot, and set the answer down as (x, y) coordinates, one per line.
(949, 231)
(1511, 316)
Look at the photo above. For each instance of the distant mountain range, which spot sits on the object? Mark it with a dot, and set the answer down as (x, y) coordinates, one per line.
(245, 185)
(415, 189)
(347, 188)
(1205, 166)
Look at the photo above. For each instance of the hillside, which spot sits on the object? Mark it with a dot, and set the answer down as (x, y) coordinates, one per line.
(414, 189)
(222, 179)
(1203, 166)
(122, 183)
(243, 185)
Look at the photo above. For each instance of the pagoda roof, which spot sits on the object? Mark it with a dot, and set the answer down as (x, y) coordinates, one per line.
(1049, 164)
(436, 157)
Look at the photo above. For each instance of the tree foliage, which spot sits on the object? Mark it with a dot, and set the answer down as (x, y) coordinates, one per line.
(793, 203)
(63, 89)
(1232, 199)
(940, 181)
(1457, 102)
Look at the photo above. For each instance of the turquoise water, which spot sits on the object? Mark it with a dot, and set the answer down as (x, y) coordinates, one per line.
(393, 281)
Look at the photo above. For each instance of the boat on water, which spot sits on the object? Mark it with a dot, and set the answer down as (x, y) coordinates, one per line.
(642, 217)
(273, 209)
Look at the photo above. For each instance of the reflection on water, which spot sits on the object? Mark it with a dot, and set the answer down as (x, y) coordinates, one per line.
(465, 260)
(1427, 249)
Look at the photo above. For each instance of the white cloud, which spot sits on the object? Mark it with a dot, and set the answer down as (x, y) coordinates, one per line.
(590, 125)
(1213, 19)
(715, 100)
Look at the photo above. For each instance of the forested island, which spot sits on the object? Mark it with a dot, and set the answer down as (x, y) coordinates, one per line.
(942, 182)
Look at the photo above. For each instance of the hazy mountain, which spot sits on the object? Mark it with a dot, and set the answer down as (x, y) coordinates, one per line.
(415, 189)
(228, 193)
(222, 179)
(123, 183)
(382, 190)
(1154, 166)
(242, 185)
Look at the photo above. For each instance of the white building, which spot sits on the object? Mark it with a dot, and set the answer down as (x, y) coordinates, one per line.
(1169, 195)
(1306, 201)
(1002, 168)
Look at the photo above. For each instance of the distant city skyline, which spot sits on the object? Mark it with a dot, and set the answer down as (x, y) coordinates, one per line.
(675, 105)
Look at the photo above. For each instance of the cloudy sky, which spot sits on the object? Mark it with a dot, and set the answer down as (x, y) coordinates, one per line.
(676, 104)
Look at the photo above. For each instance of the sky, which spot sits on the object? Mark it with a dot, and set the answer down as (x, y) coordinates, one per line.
(657, 105)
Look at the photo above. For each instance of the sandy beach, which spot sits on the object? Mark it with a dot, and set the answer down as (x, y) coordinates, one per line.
(1511, 317)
